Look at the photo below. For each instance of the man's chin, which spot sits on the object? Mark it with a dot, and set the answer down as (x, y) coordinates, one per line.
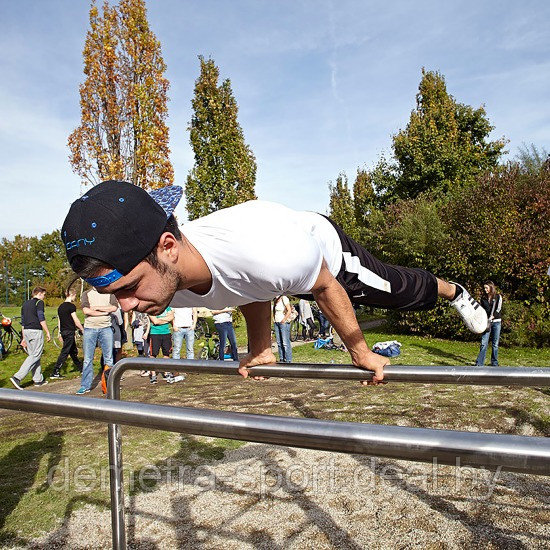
(154, 309)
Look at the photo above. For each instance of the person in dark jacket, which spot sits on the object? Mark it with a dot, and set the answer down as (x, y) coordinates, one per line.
(34, 325)
(68, 324)
(492, 304)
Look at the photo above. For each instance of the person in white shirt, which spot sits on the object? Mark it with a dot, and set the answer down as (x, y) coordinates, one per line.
(306, 318)
(281, 322)
(184, 323)
(223, 321)
(242, 256)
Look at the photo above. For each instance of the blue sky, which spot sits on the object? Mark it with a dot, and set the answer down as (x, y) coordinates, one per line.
(321, 85)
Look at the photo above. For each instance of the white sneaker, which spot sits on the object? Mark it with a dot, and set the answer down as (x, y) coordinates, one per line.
(178, 378)
(473, 315)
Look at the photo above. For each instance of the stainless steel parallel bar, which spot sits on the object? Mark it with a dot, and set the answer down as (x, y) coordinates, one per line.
(446, 375)
(511, 452)
(506, 376)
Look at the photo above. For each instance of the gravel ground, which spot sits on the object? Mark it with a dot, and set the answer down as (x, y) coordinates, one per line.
(262, 496)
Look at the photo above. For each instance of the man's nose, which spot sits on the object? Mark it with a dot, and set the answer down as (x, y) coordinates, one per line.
(127, 304)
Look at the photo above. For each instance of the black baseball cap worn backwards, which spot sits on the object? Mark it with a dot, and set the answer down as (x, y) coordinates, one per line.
(118, 223)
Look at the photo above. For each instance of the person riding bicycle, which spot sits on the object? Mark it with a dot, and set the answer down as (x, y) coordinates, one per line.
(244, 256)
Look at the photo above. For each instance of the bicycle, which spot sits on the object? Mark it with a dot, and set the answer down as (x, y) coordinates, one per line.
(9, 333)
(57, 342)
(201, 328)
(208, 350)
(295, 330)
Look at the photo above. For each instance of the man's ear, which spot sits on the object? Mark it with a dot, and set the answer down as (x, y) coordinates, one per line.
(168, 247)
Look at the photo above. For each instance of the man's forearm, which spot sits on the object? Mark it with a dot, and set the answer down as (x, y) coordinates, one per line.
(106, 309)
(336, 306)
(45, 327)
(93, 312)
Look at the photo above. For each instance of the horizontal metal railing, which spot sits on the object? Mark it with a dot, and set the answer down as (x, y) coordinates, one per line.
(497, 376)
(520, 376)
(511, 452)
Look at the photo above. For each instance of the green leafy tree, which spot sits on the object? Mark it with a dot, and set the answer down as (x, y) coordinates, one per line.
(41, 260)
(445, 145)
(224, 173)
(123, 100)
(341, 207)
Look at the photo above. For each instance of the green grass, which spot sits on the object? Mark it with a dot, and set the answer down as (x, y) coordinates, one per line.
(12, 361)
(417, 350)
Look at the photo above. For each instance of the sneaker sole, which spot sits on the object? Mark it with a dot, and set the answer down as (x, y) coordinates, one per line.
(15, 384)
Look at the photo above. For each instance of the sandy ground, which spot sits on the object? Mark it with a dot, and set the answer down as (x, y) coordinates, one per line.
(262, 496)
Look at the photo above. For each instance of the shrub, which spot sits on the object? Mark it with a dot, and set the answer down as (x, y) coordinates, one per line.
(497, 228)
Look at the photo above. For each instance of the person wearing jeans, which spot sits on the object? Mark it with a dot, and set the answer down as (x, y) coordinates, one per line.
(281, 314)
(185, 320)
(494, 334)
(93, 337)
(97, 329)
(34, 325)
(223, 321)
(491, 302)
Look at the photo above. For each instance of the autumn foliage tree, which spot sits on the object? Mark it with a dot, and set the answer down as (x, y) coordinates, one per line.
(123, 100)
(444, 146)
(224, 173)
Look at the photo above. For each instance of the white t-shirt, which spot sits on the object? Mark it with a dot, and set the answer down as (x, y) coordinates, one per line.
(280, 308)
(183, 317)
(258, 250)
(226, 317)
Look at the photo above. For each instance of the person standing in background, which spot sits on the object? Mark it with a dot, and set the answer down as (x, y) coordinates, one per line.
(97, 329)
(306, 319)
(140, 335)
(492, 304)
(223, 321)
(68, 322)
(140, 332)
(281, 316)
(185, 321)
(161, 340)
(34, 326)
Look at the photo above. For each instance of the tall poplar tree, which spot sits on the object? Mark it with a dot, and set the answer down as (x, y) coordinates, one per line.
(341, 207)
(364, 197)
(123, 100)
(224, 173)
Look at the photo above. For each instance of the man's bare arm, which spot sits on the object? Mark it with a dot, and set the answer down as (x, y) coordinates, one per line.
(46, 330)
(106, 309)
(168, 318)
(93, 312)
(258, 324)
(77, 322)
(335, 304)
